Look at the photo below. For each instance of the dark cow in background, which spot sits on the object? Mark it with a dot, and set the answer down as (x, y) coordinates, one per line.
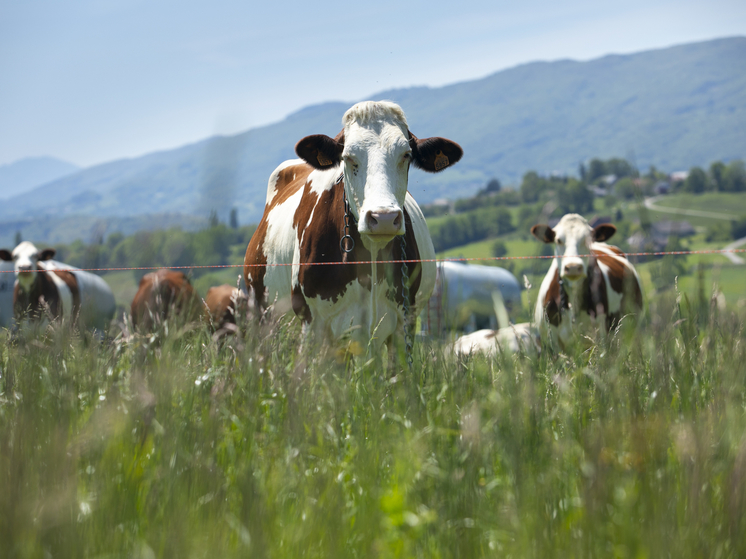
(354, 184)
(42, 292)
(223, 304)
(584, 293)
(163, 294)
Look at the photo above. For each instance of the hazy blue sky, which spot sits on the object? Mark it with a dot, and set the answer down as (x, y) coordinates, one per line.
(95, 80)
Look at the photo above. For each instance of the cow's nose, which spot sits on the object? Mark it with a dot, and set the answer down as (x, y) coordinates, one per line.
(384, 223)
(24, 268)
(573, 269)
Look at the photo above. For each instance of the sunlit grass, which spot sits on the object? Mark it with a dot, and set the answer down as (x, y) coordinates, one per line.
(174, 446)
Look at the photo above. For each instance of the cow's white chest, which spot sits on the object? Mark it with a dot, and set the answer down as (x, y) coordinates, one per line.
(359, 313)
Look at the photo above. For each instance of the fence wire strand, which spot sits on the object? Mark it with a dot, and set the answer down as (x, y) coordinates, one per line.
(414, 261)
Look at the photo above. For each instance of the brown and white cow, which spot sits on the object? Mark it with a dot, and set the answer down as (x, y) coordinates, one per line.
(366, 166)
(163, 294)
(584, 293)
(43, 292)
(223, 304)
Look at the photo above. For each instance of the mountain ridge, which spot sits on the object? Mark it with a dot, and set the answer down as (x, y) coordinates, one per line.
(673, 108)
(28, 173)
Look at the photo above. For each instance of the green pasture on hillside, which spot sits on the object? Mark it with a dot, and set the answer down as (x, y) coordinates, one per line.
(731, 203)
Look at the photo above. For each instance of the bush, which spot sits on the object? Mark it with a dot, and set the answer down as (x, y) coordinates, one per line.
(734, 177)
(499, 249)
(738, 228)
(720, 231)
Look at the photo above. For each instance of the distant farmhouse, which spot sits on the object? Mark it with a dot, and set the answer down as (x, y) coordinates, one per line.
(660, 234)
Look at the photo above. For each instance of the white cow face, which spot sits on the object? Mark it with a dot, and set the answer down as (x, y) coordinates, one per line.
(376, 150)
(26, 258)
(571, 237)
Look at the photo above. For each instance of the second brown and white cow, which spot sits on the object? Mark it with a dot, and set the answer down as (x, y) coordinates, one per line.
(354, 184)
(590, 284)
(44, 292)
(223, 305)
(161, 295)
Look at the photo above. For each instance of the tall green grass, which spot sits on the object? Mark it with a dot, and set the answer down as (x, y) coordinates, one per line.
(177, 446)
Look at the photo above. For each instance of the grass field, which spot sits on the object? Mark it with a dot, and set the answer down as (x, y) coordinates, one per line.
(175, 446)
(728, 203)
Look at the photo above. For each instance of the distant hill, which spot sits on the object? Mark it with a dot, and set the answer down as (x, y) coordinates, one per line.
(673, 108)
(90, 229)
(28, 173)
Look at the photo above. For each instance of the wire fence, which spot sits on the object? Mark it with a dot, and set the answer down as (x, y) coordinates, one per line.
(412, 261)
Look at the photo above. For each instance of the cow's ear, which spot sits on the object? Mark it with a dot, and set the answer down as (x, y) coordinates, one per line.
(6, 255)
(320, 151)
(603, 232)
(434, 154)
(543, 232)
(47, 254)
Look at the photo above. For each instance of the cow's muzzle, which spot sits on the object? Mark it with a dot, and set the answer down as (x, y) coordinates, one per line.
(383, 225)
(573, 270)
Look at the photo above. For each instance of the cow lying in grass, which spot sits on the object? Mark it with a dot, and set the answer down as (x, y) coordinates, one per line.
(512, 339)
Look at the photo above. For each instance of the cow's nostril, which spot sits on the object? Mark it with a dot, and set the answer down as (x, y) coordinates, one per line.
(397, 221)
(573, 269)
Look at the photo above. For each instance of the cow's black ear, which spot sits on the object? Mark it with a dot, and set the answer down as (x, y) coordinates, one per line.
(320, 151)
(543, 232)
(47, 254)
(603, 232)
(434, 154)
(6, 255)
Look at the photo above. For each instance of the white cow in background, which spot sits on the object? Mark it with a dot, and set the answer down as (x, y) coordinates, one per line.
(44, 288)
(7, 283)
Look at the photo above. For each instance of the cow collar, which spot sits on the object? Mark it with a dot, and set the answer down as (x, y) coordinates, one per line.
(346, 243)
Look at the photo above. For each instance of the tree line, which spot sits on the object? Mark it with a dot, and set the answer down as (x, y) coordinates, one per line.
(214, 245)
(483, 216)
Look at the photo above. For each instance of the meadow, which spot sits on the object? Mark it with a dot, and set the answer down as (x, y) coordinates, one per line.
(173, 445)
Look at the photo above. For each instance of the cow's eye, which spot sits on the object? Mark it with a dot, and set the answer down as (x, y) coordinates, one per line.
(559, 242)
(407, 156)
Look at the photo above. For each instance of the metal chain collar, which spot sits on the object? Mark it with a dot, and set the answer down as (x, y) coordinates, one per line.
(346, 243)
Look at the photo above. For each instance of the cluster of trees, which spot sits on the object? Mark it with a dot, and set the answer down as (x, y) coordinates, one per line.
(476, 225)
(718, 178)
(215, 245)
(598, 168)
(568, 193)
